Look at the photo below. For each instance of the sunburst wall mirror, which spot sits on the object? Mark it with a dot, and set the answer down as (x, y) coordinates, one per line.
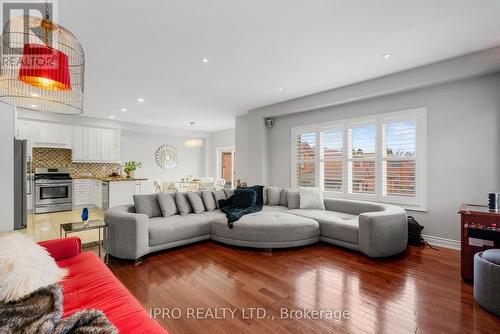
(166, 156)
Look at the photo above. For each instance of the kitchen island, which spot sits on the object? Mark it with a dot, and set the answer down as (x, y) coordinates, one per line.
(105, 192)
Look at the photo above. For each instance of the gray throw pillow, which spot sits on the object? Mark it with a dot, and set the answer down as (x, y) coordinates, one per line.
(196, 202)
(283, 200)
(264, 196)
(167, 203)
(229, 192)
(273, 196)
(183, 203)
(293, 199)
(218, 195)
(148, 205)
(208, 200)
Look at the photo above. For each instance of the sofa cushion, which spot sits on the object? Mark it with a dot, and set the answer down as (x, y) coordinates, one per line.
(91, 285)
(276, 208)
(196, 202)
(336, 225)
(218, 195)
(293, 199)
(311, 198)
(183, 204)
(147, 205)
(283, 197)
(175, 228)
(264, 196)
(208, 200)
(492, 255)
(267, 227)
(167, 204)
(273, 196)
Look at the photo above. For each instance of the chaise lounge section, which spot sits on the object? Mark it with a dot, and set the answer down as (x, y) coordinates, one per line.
(375, 229)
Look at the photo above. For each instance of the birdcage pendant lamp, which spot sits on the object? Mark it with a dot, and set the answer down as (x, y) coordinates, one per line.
(42, 68)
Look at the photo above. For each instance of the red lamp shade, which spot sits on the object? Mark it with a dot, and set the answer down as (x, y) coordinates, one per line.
(45, 67)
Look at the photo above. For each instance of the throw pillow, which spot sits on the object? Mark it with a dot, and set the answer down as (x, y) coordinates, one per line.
(311, 198)
(218, 195)
(25, 267)
(167, 204)
(148, 205)
(228, 192)
(183, 203)
(273, 196)
(293, 199)
(208, 200)
(196, 202)
(283, 198)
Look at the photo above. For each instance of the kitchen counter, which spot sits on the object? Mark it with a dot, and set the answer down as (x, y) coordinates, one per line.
(109, 179)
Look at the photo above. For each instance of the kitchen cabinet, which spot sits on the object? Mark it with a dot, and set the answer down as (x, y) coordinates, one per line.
(41, 134)
(122, 192)
(83, 192)
(96, 145)
(88, 144)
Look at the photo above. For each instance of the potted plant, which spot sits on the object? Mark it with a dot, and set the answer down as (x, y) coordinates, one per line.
(130, 167)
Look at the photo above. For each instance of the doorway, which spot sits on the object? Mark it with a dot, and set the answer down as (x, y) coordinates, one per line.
(225, 165)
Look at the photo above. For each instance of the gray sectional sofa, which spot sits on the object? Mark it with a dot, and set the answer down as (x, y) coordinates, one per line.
(161, 221)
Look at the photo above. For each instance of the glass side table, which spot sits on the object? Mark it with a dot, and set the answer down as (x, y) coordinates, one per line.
(90, 225)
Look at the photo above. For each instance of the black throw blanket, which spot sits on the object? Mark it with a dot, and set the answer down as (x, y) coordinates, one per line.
(243, 202)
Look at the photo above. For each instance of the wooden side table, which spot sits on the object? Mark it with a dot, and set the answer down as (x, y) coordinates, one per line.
(478, 233)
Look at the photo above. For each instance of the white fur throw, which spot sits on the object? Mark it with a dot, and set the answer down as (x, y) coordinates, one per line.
(311, 198)
(25, 267)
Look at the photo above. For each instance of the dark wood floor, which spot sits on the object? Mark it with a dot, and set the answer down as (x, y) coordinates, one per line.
(417, 292)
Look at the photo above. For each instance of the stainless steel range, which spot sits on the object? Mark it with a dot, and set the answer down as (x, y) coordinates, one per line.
(53, 190)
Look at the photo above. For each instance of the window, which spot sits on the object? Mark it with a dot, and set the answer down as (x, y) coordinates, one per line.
(379, 158)
(306, 159)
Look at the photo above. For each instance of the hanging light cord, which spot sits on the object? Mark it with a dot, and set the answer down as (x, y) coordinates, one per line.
(47, 18)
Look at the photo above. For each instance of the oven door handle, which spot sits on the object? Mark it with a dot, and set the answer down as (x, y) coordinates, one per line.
(53, 184)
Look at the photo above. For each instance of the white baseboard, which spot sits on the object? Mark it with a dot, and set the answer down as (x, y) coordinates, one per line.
(442, 242)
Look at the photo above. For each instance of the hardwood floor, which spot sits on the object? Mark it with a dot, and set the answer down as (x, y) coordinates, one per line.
(417, 292)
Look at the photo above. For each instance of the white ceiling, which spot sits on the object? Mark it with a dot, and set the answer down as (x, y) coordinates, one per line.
(153, 49)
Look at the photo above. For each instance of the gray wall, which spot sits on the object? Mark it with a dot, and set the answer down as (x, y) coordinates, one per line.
(216, 140)
(463, 144)
(7, 153)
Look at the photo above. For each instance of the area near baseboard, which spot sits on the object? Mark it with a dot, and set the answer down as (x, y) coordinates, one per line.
(442, 242)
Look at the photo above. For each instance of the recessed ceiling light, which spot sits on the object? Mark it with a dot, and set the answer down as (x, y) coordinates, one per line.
(386, 55)
(111, 117)
(204, 60)
(124, 109)
(280, 89)
(140, 99)
(34, 94)
(191, 123)
(34, 106)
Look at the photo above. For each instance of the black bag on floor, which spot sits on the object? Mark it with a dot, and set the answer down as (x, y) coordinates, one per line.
(415, 232)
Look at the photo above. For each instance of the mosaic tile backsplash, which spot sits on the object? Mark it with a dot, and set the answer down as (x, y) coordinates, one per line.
(61, 158)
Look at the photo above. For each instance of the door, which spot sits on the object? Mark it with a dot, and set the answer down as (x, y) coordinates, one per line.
(225, 165)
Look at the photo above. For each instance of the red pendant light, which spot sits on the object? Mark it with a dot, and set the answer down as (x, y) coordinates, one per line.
(44, 67)
(48, 76)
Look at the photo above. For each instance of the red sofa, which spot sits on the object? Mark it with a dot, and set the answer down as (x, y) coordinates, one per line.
(91, 285)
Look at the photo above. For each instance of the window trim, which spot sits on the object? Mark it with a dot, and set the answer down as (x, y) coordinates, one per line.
(419, 114)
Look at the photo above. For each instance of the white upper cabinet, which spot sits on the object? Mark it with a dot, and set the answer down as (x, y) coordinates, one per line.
(87, 144)
(96, 145)
(41, 134)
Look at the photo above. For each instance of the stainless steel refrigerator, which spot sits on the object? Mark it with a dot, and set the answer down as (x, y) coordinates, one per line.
(22, 184)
